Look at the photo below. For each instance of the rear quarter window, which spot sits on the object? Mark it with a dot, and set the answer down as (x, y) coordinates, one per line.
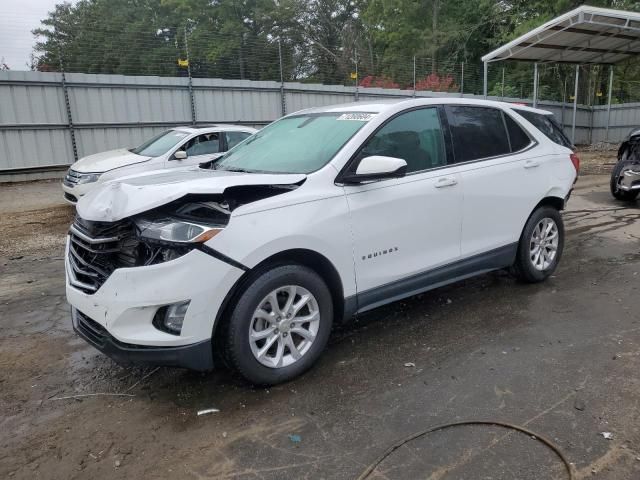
(517, 136)
(548, 126)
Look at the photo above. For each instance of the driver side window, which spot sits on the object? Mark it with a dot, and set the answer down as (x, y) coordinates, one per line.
(204, 144)
(415, 136)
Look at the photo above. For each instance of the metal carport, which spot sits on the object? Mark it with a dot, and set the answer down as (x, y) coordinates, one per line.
(584, 36)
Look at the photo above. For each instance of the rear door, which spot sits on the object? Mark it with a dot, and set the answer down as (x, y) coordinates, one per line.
(503, 176)
(404, 227)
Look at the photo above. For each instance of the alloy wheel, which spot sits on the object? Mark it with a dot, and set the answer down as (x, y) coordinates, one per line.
(284, 326)
(543, 246)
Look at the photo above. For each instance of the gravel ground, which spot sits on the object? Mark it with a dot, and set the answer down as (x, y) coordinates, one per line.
(561, 358)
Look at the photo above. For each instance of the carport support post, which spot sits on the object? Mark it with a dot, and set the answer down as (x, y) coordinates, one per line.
(535, 85)
(606, 135)
(575, 106)
(486, 68)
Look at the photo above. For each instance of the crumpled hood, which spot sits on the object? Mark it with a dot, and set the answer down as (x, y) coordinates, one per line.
(129, 196)
(105, 161)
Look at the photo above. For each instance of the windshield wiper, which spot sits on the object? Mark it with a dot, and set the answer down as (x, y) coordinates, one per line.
(240, 170)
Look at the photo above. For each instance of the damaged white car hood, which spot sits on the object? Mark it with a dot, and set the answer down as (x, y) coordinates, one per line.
(132, 195)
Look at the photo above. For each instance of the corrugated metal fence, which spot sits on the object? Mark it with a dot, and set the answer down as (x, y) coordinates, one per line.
(47, 120)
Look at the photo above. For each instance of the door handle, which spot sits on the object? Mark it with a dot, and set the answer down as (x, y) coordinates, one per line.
(531, 164)
(446, 182)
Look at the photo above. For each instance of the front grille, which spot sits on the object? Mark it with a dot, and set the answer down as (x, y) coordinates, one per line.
(71, 178)
(96, 249)
(91, 330)
(71, 198)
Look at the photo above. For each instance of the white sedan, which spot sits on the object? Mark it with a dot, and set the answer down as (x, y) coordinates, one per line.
(176, 147)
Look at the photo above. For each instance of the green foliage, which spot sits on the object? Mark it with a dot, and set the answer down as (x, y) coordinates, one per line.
(320, 41)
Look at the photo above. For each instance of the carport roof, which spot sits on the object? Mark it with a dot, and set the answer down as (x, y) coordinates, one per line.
(586, 35)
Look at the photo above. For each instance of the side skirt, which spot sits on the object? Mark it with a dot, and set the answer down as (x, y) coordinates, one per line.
(469, 267)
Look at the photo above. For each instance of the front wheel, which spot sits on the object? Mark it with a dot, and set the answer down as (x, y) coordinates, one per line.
(279, 325)
(616, 177)
(540, 246)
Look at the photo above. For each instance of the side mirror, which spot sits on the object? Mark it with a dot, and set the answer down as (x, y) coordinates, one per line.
(377, 167)
(180, 155)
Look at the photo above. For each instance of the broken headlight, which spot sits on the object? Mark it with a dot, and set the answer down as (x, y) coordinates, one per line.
(175, 231)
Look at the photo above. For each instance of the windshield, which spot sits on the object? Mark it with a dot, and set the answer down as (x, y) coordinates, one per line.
(160, 144)
(547, 125)
(299, 144)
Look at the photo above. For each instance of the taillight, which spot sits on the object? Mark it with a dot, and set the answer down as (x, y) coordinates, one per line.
(576, 162)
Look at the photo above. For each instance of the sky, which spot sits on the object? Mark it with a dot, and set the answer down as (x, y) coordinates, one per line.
(17, 19)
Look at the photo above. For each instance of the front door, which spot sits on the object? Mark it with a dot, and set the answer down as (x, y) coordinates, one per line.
(199, 149)
(405, 227)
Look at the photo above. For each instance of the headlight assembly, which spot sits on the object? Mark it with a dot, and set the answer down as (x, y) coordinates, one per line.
(176, 231)
(88, 178)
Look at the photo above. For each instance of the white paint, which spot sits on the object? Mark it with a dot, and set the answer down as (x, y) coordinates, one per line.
(423, 220)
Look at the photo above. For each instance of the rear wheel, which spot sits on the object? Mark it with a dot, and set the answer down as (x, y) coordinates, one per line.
(540, 246)
(616, 177)
(279, 325)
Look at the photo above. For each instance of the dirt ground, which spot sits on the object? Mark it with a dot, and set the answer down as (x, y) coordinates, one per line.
(561, 359)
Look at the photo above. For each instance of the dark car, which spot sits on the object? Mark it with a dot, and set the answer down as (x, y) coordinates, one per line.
(625, 176)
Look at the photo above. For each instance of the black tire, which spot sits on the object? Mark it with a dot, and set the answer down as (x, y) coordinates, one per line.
(613, 184)
(236, 344)
(523, 267)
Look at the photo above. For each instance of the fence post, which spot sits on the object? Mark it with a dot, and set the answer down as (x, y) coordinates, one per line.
(283, 99)
(194, 117)
(462, 80)
(356, 93)
(502, 91)
(575, 106)
(67, 103)
(606, 135)
(564, 101)
(414, 75)
(484, 89)
(535, 85)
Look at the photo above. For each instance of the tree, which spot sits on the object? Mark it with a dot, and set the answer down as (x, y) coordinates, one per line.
(3, 65)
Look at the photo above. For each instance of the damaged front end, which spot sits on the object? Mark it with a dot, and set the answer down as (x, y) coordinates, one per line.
(97, 248)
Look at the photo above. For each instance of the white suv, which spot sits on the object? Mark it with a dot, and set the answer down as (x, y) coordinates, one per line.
(323, 214)
(176, 147)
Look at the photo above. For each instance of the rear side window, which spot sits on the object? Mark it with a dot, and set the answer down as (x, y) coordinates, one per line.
(234, 138)
(477, 132)
(518, 139)
(547, 125)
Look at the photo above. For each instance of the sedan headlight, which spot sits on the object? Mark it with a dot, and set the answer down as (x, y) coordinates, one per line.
(88, 178)
(176, 231)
